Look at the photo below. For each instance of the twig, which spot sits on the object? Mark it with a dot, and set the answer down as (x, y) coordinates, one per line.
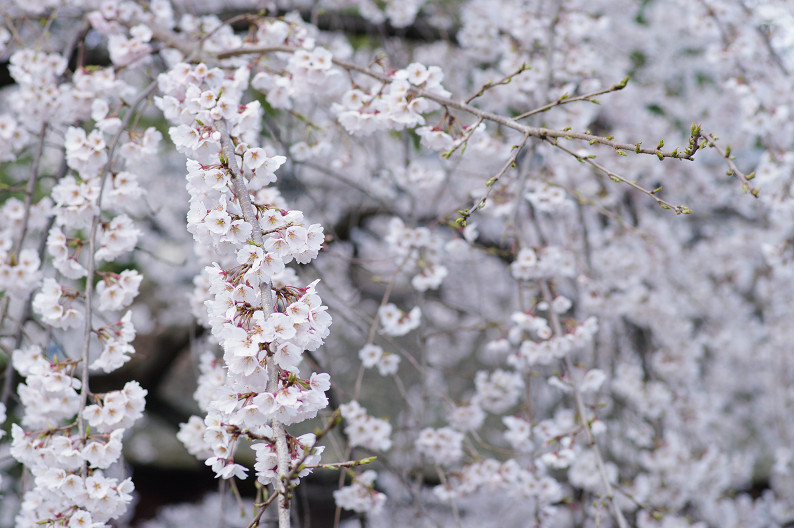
(734, 170)
(464, 140)
(445, 483)
(287, 477)
(479, 204)
(630, 496)
(679, 209)
(6, 302)
(258, 518)
(504, 80)
(244, 199)
(564, 99)
(30, 190)
(346, 464)
(376, 320)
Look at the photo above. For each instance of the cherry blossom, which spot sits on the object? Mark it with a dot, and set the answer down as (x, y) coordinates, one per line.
(554, 240)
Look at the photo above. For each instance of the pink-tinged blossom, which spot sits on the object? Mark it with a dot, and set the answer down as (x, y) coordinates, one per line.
(56, 306)
(117, 291)
(116, 238)
(467, 417)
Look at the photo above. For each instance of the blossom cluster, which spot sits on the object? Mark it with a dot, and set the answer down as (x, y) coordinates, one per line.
(418, 250)
(395, 107)
(374, 356)
(262, 330)
(360, 496)
(365, 430)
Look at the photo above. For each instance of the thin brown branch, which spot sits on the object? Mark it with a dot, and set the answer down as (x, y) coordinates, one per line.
(491, 183)
(376, 321)
(538, 132)
(679, 209)
(464, 140)
(346, 464)
(504, 80)
(734, 170)
(564, 99)
(297, 467)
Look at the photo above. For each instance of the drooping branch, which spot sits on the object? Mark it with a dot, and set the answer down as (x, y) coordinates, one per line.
(580, 411)
(244, 199)
(91, 264)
